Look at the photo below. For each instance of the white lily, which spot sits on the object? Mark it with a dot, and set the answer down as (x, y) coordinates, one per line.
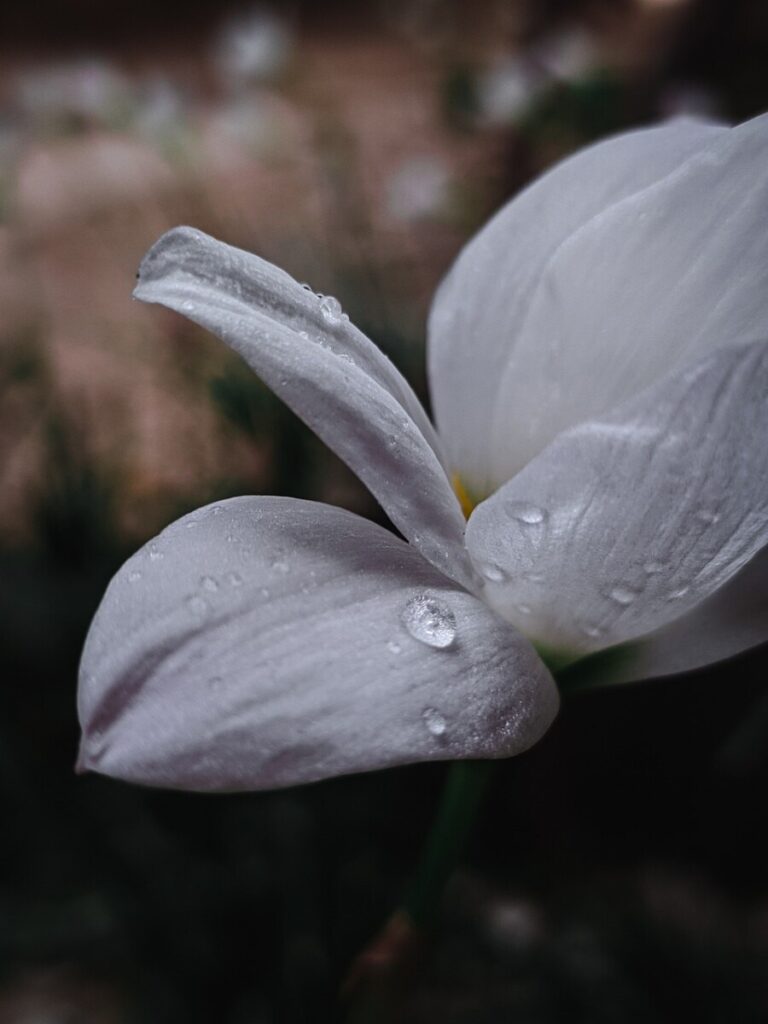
(599, 374)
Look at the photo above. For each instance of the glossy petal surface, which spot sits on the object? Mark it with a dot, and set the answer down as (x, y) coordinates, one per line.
(628, 521)
(651, 284)
(267, 641)
(326, 371)
(478, 316)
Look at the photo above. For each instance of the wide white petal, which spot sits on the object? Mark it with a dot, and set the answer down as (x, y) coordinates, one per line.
(628, 521)
(265, 641)
(329, 373)
(477, 318)
(656, 280)
(732, 620)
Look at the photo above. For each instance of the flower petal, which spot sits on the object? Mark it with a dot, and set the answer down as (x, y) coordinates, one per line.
(655, 281)
(476, 320)
(628, 521)
(265, 641)
(732, 620)
(326, 371)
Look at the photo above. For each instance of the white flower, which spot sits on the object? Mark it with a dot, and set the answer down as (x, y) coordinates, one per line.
(599, 374)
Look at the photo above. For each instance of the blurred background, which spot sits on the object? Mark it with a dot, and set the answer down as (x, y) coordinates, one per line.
(619, 871)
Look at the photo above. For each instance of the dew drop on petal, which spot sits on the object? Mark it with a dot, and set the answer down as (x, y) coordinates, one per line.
(492, 572)
(623, 595)
(279, 566)
(234, 579)
(429, 621)
(590, 629)
(155, 554)
(434, 721)
(198, 606)
(707, 517)
(524, 609)
(330, 310)
(654, 568)
(394, 647)
(526, 513)
(675, 595)
(134, 577)
(216, 510)
(209, 583)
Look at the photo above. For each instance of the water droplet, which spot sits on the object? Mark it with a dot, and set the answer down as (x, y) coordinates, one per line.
(330, 310)
(209, 583)
(675, 595)
(429, 621)
(524, 609)
(492, 572)
(654, 568)
(190, 524)
(197, 605)
(234, 579)
(134, 577)
(304, 335)
(216, 510)
(231, 538)
(526, 513)
(590, 629)
(188, 307)
(623, 595)
(306, 287)
(280, 566)
(707, 517)
(155, 554)
(534, 577)
(283, 382)
(434, 721)
(394, 647)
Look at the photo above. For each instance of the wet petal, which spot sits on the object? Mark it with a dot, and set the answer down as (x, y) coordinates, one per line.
(477, 317)
(732, 620)
(329, 373)
(657, 280)
(628, 521)
(264, 642)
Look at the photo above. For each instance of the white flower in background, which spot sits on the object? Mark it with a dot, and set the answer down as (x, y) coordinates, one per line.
(419, 188)
(253, 48)
(507, 88)
(568, 55)
(88, 89)
(599, 371)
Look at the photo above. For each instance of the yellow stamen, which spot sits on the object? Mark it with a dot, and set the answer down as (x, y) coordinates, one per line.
(466, 502)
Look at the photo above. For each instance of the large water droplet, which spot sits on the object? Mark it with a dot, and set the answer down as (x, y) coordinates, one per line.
(155, 554)
(623, 594)
(429, 621)
(209, 583)
(394, 647)
(434, 721)
(526, 513)
(330, 310)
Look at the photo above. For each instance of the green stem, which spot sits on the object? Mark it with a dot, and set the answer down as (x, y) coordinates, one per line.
(462, 796)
